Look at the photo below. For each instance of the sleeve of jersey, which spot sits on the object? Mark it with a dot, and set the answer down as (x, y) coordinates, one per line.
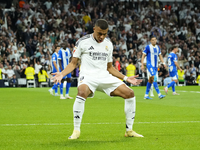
(175, 58)
(145, 51)
(53, 57)
(159, 50)
(59, 54)
(110, 53)
(77, 50)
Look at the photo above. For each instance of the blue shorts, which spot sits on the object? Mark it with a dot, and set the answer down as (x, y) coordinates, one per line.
(67, 76)
(152, 70)
(173, 75)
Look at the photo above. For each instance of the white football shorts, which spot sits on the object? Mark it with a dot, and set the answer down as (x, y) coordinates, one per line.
(104, 84)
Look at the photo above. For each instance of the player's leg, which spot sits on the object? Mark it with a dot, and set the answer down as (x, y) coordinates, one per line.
(150, 81)
(175, 79)
(78, 109)
(55, 87)
(68, 86)
(151, 89)
(129, 108)
(172, 84)
(61, 89)
(156, 85)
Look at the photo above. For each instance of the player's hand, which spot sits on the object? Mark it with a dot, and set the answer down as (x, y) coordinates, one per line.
(57, 78)
(181, 70)
(133, 80)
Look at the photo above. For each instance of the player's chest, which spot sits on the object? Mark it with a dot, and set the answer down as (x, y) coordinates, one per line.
(96, 50)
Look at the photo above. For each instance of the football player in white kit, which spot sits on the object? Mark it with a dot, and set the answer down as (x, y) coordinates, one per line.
(97, 73)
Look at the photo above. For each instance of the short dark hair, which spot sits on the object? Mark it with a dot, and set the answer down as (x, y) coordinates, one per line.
(173, 47)
(56, 45)
(152, 37)
(102, 23)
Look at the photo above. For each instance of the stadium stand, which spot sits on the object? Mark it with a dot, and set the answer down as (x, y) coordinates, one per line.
(30, 28)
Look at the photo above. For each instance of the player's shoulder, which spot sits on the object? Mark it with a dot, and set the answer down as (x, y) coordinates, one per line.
(83, 39)
(108, 40)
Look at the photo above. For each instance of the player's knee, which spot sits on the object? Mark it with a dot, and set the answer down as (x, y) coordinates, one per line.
(129, 94)
(176, 81)
(82, 94)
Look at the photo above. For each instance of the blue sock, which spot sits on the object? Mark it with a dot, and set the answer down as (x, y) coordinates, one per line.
(148, 88)
(54, 86)
(67, 87)
(173, 87)
(61, 88)
(171, 84)
(156, 87)
(56, 90)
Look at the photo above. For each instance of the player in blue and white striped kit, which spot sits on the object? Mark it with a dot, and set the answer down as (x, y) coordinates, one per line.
(64, 55)
(152, 52)
(55, 68)
(172, 64)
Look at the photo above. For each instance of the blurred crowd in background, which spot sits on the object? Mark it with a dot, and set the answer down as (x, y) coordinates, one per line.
(30, 28)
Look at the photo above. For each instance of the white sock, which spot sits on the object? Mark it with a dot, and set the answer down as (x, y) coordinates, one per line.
(129, 108)
(151, 90)
(78, 110)
(61, 95)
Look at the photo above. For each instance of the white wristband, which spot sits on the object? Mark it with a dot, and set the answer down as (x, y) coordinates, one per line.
(163, 63)
(125, 78)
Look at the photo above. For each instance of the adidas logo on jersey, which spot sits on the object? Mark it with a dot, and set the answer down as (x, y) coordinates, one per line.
(91, 48)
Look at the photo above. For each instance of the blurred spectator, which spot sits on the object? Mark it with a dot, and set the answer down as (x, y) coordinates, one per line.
(9, 72)
(190, 80)
(13, 81)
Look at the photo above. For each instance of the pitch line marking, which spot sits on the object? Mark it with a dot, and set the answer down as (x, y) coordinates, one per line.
(109, 123)
(187, 91)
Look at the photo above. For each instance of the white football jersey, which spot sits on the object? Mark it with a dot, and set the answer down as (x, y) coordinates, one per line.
(94, 56)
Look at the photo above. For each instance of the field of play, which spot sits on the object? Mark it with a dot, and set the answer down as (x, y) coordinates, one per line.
(32, 119)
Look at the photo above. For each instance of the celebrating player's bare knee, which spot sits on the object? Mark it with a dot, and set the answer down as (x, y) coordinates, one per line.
(123, 91)
(84, 91)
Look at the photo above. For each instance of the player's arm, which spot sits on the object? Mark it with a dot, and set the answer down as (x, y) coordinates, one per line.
(177, 65)
(161, 59)
(114, 71)
(54, 63)
(60, 64)
(142, 61)
(70, 67)
(119, 75)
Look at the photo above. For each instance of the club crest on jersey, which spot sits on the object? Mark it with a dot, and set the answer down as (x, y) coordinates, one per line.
(74, 49)
(81, 79)
(106, 48)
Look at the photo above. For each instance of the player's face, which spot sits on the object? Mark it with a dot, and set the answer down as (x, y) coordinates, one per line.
(176, 50)
(57, 49)
(153, 41)
(99, 34)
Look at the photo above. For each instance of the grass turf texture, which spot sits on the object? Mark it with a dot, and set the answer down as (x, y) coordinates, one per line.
(34, 119)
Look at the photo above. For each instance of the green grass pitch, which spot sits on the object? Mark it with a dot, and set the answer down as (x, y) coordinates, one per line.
(32, 119)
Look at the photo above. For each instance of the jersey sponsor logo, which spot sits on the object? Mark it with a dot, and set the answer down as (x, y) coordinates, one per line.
(91, 48)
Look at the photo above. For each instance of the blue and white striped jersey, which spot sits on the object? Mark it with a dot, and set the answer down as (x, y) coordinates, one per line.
(171, 59)
(64, 56)
(152, 54)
